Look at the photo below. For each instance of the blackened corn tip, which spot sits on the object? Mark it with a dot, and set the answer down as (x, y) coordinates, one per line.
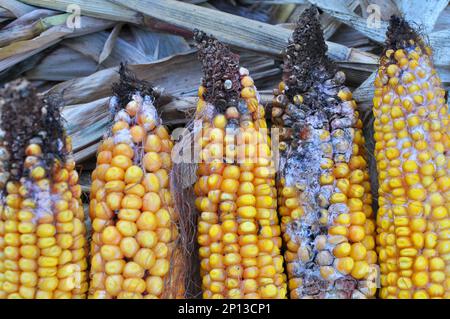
(400, 34)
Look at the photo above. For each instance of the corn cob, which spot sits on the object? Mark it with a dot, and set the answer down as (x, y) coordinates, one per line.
(324, 191)
(42, 218)
(133, 248)
(4, 176)
(412, 144)
(238, 230)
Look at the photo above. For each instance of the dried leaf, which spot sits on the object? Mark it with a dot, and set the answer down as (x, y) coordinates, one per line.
(110, 42)
(235, 30)
(424, 12)
(365, 92)
(19, 51)
(183, 67)
(94, 8)
(92, 45)
(386, 8)
(61, 65)
(158, 45)
(16, 7)
(86, 123)
(31, 17)
(25, 31)
(443, 22)
(6, 14)
(23, 65)
(440, 42)
(344, 15)
(330, 25)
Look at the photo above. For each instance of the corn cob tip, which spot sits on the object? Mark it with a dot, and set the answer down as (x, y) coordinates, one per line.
(305, 59)
(30, 119)
(400, 35)
(129, 85)
(221, 71)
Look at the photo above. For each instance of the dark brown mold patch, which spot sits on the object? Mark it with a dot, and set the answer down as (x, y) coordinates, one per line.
(128, 85)
(400, 34)
(221, 70)
(26, 117)
(306, 60)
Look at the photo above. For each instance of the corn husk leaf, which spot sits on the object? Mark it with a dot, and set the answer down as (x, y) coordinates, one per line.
(183, 67)
(92, 45)
(6, 14)
(27, 29)
(87, 122)
(110, 42)
(440, 41)
(235, 30)
(23, 65)
(20, 50)
(425, 12)
(61, 65)
(157, 45)
(17, 8)
(443, 22)
(31, 17)
(94, 8)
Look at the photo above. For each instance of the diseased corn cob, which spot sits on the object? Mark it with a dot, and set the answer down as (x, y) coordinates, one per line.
(4, 176)
(324, 191)
(42, 220)
(412, 152)
(133, 250)
(238, 228)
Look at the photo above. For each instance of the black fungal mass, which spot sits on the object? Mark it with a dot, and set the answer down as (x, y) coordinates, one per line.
(221, 71)
(306, 60)
(400, 34)
(26, 117)
(128, 85)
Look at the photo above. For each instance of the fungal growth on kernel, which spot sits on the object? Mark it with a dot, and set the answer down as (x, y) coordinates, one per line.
(238, 229)
(323, 179)
(412, 152)
(135, 252)
(42, 226)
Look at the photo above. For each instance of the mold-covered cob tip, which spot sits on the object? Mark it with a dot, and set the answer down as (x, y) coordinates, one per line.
(324, 190)
(134, 246)
(412, 152)
(43, 244)
(238, 229)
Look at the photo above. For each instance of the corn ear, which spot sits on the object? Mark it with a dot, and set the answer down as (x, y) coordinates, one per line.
(42, 218)
(324, 199)
(412, 152)
(134, 252)
(238, 228)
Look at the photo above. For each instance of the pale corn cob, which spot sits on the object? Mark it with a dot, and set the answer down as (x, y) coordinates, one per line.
(238, 230)
(42, 220)
(412, 152)
(133, 250)
(324, 190)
